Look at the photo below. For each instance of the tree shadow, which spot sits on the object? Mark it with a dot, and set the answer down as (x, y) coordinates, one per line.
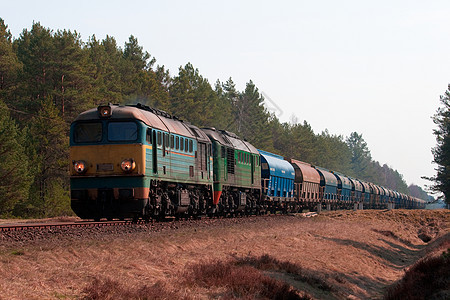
(395, 255)
(335, 285)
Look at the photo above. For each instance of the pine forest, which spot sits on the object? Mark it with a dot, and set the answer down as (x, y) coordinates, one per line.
(47, 77)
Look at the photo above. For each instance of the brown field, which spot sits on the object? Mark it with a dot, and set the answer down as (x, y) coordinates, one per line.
(336, 255)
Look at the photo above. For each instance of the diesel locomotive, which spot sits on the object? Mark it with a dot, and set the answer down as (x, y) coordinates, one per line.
(135, 161)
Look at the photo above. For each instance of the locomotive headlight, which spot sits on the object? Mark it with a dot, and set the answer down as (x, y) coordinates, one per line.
(128, 165)
(104, 111)
(80, 166)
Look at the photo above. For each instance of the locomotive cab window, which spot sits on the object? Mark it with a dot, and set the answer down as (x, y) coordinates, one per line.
(122, 131)
(87, 132)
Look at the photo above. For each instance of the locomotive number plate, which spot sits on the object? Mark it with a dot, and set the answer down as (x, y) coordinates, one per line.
(105, 167)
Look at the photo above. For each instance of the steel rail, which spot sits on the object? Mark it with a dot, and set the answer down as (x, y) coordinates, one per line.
(22, 227)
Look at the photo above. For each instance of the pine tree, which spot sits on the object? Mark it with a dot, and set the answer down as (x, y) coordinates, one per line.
(48, 144)
(9, 64)
(333, 152)
(14, 178)
(35, 49)
(303, 141)
(441, 152)
(361, 158)
(106, 59)
(133, 67)
(192, 97)
(72, 83)
(227, 95)
(252, 120)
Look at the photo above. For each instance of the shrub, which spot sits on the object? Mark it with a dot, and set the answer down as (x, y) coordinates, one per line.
(241, 281)
(267, 262)
(426, 279)
(107, 289)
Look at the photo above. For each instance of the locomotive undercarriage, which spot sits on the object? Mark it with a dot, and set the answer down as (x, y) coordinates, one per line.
(106, 203)
(239, 201)
(177, 199)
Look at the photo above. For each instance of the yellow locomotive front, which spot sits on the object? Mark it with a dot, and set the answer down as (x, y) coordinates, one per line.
(108, 156)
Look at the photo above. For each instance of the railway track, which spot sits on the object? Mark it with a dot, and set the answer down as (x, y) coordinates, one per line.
(58, 225)
(84, 224)
(17, 235)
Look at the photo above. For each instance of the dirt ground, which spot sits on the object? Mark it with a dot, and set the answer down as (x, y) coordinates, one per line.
(358, 253)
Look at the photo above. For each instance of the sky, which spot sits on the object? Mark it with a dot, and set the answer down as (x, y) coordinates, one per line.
(374, 67)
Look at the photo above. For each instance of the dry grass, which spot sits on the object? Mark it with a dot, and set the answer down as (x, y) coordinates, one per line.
(335, 256)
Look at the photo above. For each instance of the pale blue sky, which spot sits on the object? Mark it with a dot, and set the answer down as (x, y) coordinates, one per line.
(375, 67)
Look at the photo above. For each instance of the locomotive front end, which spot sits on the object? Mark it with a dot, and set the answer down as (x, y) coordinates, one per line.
(107, 155)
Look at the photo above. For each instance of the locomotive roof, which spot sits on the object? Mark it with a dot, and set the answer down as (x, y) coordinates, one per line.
(305, 172)
(150, 116)
(230, 139)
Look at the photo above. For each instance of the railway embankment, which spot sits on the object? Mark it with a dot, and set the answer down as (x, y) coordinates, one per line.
(334, 255)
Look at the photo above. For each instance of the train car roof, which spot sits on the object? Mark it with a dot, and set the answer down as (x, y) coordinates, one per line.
(345, 181)
(229, 139)
(391, 193)
(382, 190)
(375, 188)
(329, 178)
(152, 117)
(365, 185)
(277, 165)
(305, 172)
(357, 185)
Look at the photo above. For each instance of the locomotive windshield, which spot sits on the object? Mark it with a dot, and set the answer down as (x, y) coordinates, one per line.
(122, 131)
(88, 132)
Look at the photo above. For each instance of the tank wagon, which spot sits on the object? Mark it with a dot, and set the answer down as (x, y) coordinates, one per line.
(135, 161)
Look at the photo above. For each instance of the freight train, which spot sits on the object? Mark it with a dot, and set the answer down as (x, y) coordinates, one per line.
(135, 161)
